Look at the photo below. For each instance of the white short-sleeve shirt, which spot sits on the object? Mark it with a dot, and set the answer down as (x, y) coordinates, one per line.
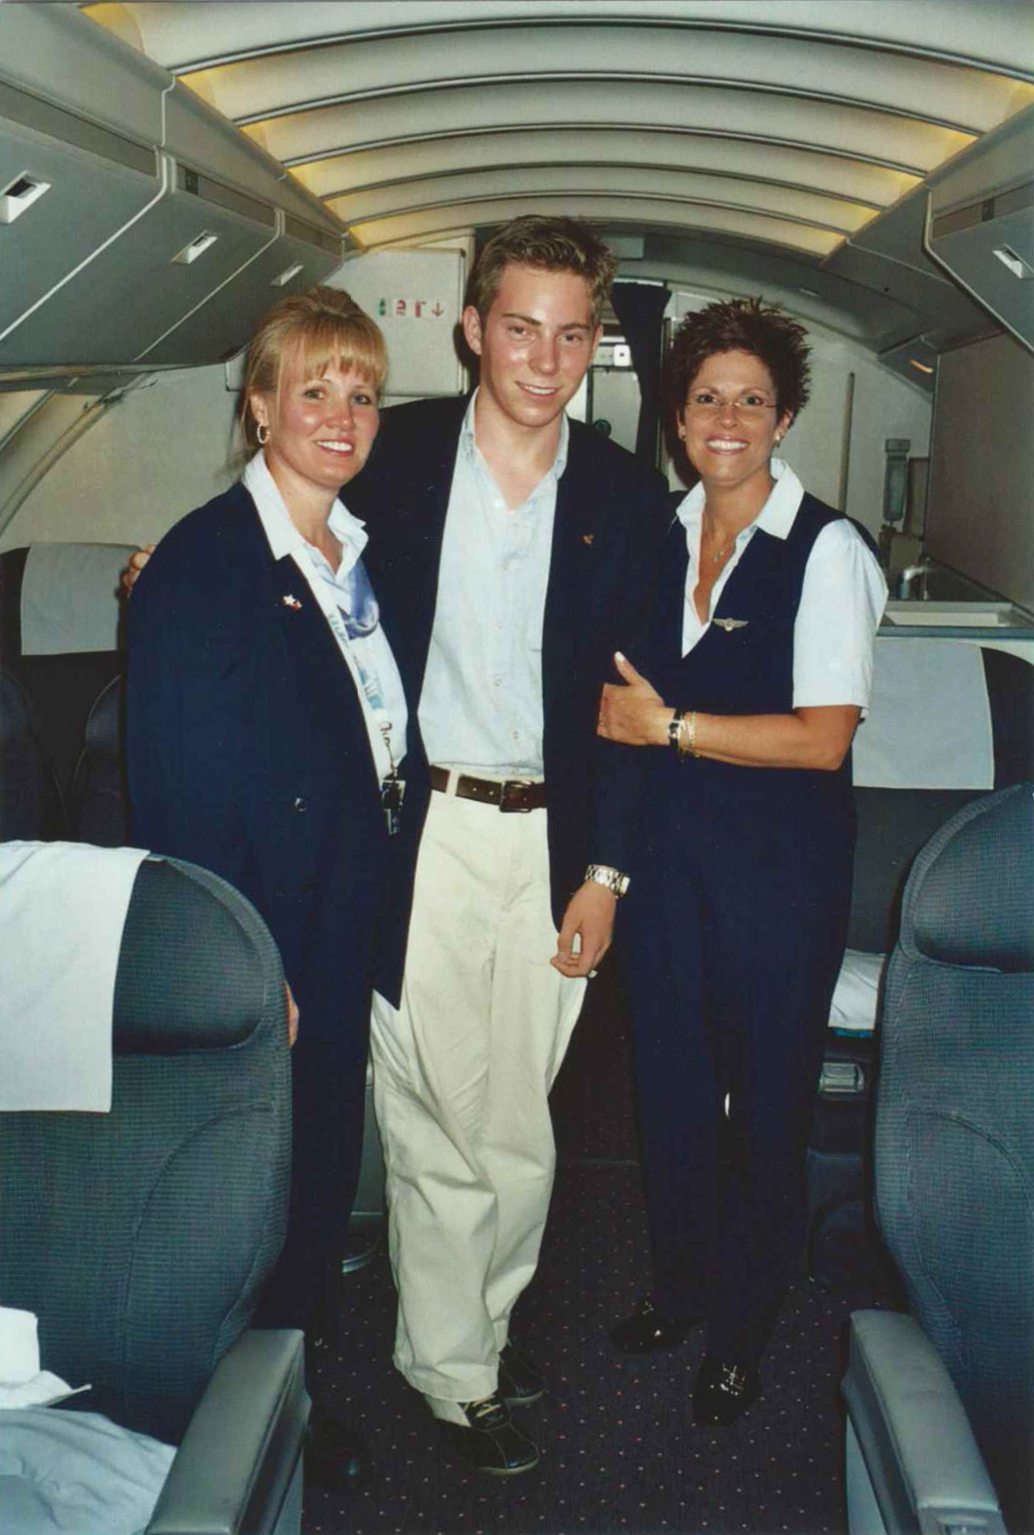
(841, 604)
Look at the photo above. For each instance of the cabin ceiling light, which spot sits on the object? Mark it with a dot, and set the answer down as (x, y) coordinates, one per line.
(1015, 264)
(920, 367)
(196, 248)
(286, 275)
(20, 194)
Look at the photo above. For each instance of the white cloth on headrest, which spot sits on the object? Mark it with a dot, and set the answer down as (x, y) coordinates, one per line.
(22, 1382)
(70, 601)
(62, 910)
(929, 725)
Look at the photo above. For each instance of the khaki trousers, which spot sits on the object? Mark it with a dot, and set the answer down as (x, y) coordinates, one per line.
(462, 1072)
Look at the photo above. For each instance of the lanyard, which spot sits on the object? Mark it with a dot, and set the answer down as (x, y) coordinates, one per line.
(368, 677)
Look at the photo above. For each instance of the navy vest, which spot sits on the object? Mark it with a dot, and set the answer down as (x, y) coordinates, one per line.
(743, 664)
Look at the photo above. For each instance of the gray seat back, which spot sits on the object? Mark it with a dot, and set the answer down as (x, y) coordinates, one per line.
(142, 1237)
(955, 1122)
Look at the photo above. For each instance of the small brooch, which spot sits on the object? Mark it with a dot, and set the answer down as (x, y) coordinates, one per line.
(587, 538)
(728, 624)
(290, 602)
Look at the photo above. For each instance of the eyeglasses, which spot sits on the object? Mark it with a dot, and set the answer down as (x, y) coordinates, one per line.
(748, 406)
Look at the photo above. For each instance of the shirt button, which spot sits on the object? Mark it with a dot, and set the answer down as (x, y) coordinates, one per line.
(301, 804)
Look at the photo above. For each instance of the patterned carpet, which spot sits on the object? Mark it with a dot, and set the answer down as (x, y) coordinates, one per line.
(619, 1451)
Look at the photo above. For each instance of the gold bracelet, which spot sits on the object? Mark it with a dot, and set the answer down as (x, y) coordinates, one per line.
(687, 740)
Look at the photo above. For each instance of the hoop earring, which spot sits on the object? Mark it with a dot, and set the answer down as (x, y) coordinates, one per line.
(260, 428)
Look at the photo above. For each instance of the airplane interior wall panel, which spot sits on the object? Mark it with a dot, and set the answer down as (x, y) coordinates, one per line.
(416, 297)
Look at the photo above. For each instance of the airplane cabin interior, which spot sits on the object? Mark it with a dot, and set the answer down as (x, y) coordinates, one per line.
(169, 171)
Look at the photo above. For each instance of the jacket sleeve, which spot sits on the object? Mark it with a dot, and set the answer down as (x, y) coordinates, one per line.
(619, 770)
(189, 710)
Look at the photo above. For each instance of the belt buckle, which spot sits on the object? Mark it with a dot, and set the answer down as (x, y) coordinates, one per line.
(510, 788)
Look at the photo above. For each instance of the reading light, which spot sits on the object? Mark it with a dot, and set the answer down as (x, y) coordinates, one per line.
(286, 275)
(196, 248)
(1015, 264)
(920, 367)
(20, 194)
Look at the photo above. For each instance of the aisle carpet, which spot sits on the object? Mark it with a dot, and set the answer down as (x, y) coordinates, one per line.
(619, 1451)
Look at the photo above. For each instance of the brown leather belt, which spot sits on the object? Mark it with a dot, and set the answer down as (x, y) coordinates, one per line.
(509, 795)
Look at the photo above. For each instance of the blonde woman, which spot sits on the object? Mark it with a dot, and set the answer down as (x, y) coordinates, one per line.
(269, 740)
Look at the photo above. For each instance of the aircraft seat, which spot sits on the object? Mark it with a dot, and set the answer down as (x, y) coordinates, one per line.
(141, 1237)
(99, 794)
(32, 807)
(950, 722)
(61, 642)
(936, 1397)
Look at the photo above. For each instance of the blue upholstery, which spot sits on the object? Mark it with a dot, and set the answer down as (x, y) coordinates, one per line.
(142, 1237)
(954, 1155)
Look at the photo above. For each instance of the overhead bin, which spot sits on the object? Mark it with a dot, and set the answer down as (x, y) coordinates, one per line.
(298, 256)
(980, 223)
(68, 187)
(113, 247)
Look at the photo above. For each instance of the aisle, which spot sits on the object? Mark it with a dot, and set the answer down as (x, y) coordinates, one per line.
(619, 1452)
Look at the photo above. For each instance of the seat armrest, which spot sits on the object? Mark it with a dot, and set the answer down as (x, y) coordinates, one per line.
(926, 1471)
(243, 1444)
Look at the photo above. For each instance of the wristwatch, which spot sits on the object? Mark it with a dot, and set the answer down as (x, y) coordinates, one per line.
(612, 879)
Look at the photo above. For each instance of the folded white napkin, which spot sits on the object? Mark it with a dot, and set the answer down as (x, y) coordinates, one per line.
(22, 1382)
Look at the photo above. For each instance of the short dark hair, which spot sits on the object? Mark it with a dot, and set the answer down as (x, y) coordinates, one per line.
(742, 325)
(552, 245)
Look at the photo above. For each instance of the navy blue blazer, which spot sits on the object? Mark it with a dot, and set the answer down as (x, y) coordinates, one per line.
(610, 517)
(248, 753)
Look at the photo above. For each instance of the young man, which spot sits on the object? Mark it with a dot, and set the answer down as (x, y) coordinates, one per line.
(514, 544)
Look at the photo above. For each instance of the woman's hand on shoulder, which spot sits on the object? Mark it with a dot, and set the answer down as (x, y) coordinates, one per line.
(632, 711)
(137, 561)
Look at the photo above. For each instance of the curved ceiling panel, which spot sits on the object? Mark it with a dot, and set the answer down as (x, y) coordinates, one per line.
(353, 71)
(576, 180)
(794, 128)
(629, 149)
(630, 212)
(854, 132)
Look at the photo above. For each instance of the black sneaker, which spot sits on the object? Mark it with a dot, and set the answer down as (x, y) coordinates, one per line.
(491, 1443)
(723, 1392)
(520, 1382)
(648, 1331)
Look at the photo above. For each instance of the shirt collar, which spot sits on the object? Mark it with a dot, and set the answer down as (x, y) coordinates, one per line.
(468, 441)
(777, 515)
(284, 538)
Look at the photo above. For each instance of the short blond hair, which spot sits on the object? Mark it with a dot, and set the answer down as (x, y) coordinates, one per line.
(322, 326)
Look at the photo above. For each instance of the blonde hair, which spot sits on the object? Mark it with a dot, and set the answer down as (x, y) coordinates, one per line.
(321, 326)
(550, 245)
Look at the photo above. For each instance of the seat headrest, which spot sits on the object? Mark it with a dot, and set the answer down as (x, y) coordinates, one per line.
(970, 898)
(197, 968)
(70, 598)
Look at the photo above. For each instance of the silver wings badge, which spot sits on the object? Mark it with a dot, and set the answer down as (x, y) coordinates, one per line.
(729, 624)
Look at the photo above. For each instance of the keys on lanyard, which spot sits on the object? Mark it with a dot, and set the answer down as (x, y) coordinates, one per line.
(393, 787)
(393, 791)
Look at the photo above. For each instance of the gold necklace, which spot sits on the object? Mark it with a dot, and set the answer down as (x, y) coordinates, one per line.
(723, 551)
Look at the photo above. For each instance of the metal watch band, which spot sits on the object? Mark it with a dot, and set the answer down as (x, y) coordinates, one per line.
(613, 879)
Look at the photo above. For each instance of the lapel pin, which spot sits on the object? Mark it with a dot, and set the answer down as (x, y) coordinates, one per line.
(587, 538)
(289, 601)
(728, 624)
